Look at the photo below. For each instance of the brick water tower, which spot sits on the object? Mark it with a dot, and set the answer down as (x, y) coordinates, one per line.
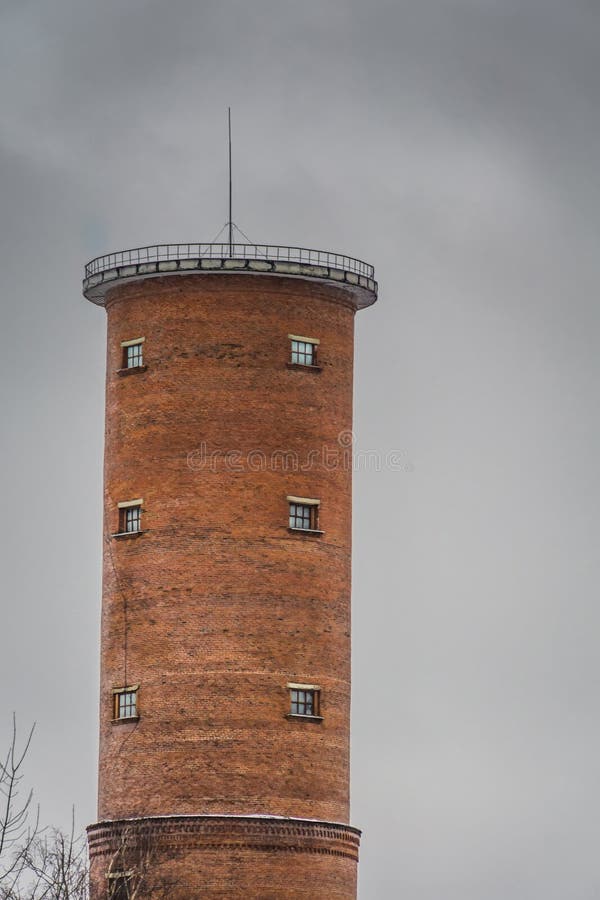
(225, 657)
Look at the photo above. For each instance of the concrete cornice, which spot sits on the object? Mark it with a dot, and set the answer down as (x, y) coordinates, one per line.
(361, 290)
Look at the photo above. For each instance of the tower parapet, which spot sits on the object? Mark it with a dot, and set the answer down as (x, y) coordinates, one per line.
(163, 259)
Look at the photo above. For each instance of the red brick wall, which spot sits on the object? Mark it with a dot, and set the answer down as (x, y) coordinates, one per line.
(217, 605)
(185, 859)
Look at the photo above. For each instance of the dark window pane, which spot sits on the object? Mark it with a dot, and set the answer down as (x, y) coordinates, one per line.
(134, 356)
(132, 518)
(126, 705)
(303, 516)
(302, 703)
(303, 353)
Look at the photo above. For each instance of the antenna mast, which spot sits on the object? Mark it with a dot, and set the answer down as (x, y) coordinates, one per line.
(230, 222)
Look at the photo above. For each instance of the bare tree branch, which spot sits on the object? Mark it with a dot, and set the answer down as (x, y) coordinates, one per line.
(55, 867)
(16, 833)
(35, 863)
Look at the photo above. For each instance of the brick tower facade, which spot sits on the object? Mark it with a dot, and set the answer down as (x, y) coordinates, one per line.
(225, 658)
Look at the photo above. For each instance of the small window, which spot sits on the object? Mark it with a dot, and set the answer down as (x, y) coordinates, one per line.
(302, 517)
(130, 517)
(133, 354)
(303, 350)
(305, 700)
(304, 514)
(133, 519)
(125, 703)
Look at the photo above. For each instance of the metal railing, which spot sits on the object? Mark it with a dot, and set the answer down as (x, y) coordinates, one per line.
(268, 252)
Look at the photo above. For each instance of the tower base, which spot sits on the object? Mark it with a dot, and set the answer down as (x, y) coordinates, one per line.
(210, 857)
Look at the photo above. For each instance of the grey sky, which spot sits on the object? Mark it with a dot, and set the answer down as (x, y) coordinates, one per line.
(455, 146)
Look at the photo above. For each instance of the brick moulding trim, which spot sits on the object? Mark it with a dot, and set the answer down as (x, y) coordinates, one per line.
(256, 833)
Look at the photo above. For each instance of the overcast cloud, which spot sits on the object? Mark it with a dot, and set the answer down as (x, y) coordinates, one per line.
(454, 144)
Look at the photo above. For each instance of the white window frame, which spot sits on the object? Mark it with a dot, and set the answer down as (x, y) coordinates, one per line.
(315, 690)
(314, 505)
(125, 345)
(118, 692)
(299, 339)
(123, 506)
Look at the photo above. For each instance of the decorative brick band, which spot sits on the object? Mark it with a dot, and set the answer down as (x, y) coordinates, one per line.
(362, 289)
(259, 833)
